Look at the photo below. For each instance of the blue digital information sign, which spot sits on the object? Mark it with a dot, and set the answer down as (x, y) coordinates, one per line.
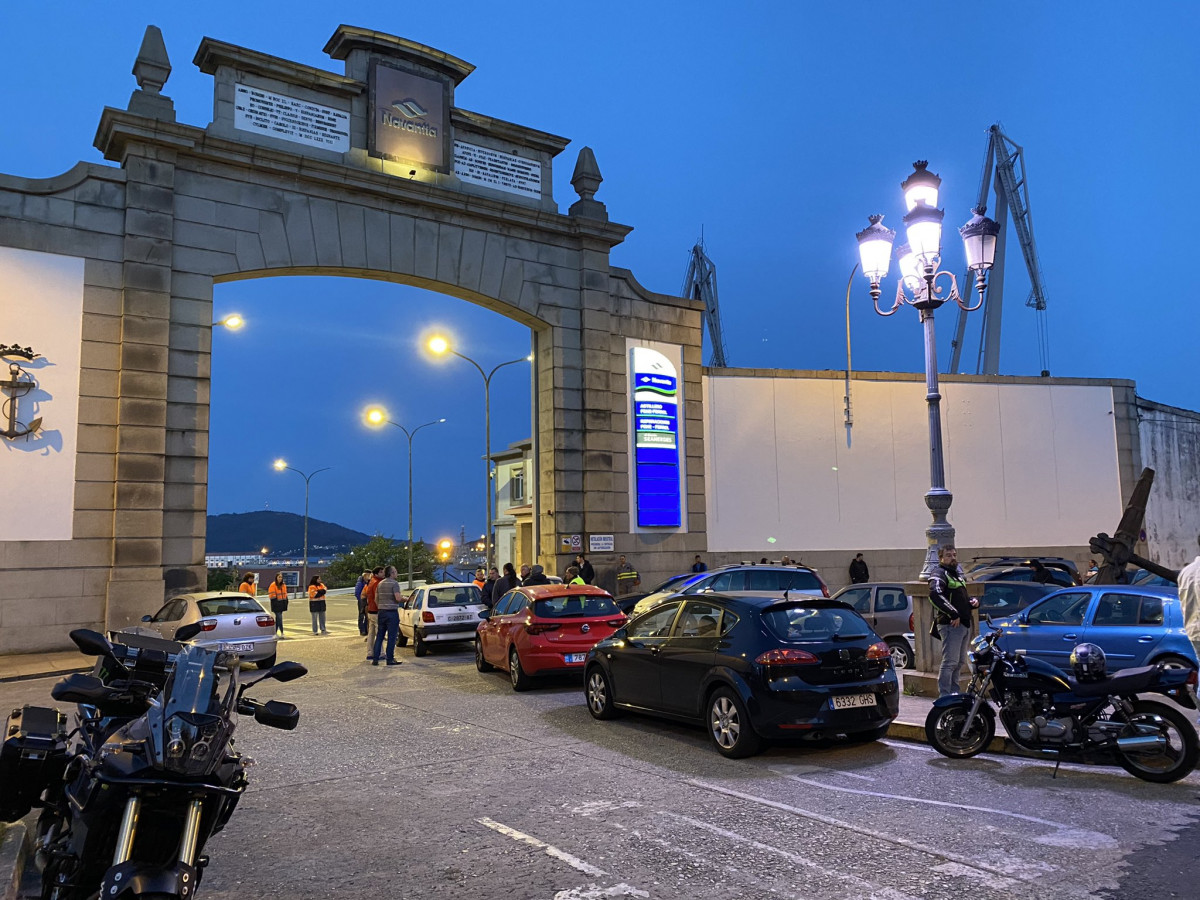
(656, 439)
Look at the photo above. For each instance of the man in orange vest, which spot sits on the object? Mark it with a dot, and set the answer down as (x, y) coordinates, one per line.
(372, 609)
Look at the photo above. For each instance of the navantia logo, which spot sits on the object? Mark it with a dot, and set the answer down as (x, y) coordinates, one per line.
(409, 108)
(409, 112)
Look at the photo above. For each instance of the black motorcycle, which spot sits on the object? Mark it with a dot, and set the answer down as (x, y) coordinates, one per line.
(1045, 709)
(150, 773)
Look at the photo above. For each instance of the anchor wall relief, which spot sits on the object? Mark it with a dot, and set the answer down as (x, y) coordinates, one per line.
(41, 308)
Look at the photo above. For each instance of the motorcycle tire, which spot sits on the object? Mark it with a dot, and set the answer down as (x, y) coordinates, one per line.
(942, 727)
(1177, 760)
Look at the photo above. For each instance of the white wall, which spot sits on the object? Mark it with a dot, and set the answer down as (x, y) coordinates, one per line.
(41, 306)
(1029, 464)
(1170, 442)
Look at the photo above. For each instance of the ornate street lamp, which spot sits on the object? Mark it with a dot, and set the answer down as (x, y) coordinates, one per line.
(280, 465)
(918, 286)
(377, 416)
(439, 346)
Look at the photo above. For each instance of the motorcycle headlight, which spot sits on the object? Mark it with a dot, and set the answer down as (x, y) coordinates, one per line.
(188, 742)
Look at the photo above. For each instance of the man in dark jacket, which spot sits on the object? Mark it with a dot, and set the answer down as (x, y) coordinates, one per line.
(859, 574)
(489, 587)
(363, 580)
(537, 575)
(586, 572)
(953, 610)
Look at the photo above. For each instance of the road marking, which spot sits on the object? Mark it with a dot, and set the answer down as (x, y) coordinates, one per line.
(788, 770)
(595, 892)
(573, 861)
(876, 892)
(1065, 835)
(947, 855)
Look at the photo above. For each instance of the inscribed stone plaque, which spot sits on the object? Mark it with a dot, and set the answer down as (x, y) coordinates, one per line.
(502, 171)
(408, 117)
(288, 119)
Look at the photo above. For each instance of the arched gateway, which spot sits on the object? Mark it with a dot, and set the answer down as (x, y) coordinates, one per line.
(107, 276)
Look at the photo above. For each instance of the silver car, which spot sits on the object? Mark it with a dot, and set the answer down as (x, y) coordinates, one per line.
(229, 621)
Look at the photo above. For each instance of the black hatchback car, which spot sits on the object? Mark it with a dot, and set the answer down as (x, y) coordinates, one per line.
(749, 669)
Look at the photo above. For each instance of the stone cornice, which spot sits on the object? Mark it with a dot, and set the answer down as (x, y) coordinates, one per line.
(619, 274)
(517, 134)
(349, 38)
(213, 53)
(56, 184)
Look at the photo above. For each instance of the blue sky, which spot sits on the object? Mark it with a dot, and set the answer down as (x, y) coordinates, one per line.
(775, 128)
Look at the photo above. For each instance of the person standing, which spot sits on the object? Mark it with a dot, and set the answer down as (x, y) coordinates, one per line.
(859, 573)
(525, 572)
(372, 609)
(278, 593)
(699, 565)
(359, 587)
(953, 609)
(573, 576)
(627, 577)
(1189, 599)
(489, 587)
(388, 599)
(316, 603)
(506, 582)
(480, 579)
(537, 575)
(247, 586)
(1092, 569)
(586, 571)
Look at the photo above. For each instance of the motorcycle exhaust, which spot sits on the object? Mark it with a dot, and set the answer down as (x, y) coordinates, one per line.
(1150, 742)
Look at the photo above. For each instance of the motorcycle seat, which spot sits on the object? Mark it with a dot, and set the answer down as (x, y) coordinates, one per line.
(1126, 681)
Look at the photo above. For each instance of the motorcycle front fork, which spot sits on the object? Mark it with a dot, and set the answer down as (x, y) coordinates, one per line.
(980, 691)
(187, 842)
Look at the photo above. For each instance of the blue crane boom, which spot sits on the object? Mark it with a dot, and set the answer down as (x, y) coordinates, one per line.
(1004, 173)
(700, 283)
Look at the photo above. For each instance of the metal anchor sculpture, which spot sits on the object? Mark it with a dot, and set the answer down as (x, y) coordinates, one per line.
(1118, 549)
(19, 384)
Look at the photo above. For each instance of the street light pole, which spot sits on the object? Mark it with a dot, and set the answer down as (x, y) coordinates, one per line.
(440, 345)
(919, 262)
(280, 465)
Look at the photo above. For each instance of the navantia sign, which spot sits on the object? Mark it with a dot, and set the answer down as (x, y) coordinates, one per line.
(656, 439)
(408, 117)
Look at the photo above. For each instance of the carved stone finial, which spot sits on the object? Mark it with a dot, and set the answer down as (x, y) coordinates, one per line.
(152, 68)
(586, 180)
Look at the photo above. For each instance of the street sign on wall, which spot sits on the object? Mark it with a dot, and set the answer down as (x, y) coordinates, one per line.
(601, 543)
(656, 439)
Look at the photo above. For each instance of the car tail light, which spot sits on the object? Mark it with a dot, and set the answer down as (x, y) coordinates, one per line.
(539, 627)
(1193, 678)
(208, 624)
(616, 623)
(824, 590)
(265, 621)
(879, 650)
(910, 622)
(784, 656)
(426, 616)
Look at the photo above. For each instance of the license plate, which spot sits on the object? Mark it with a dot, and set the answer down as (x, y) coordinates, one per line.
(458, 618)
(575, 657)
(236, 648)
(853, 701)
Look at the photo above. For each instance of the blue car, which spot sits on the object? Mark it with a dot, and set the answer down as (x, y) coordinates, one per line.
(1134, 625)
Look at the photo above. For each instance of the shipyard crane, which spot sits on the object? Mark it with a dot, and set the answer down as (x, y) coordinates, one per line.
(1004, 173)
(700, 283)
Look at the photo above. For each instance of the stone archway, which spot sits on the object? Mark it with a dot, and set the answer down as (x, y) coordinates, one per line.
(295, 175)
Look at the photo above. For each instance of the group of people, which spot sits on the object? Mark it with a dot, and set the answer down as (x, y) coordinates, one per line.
(278, 595)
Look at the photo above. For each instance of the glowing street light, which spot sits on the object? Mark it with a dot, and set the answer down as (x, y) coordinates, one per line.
(377, 416)
(439, 345)
(280, 465)
(232, 321)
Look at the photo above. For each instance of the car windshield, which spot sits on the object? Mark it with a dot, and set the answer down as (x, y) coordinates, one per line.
(464, 595)
(800, 623)
(219, 606)
(671, 583)
(575, 606)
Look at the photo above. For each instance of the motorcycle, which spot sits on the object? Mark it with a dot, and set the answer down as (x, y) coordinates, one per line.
(1044, 709)
(131, 796)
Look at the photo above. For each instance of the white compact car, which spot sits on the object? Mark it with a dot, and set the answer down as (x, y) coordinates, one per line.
(229, 621)
(440, 613)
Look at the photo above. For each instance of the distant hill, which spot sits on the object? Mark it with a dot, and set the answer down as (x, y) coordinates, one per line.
(281, 532)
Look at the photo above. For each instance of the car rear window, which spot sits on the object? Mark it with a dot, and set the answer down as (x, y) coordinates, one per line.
(572, 606)
(802, 623)
(219, 606)
(466, 595)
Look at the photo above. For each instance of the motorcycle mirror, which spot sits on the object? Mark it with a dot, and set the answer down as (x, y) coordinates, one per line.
(287, 671)
(277, 714)
(93, 643)
(187, 632)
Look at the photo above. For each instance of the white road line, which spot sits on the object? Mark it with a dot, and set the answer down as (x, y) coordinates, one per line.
(875, 891)
(572, 861)
(948, 855)
(1077, 837)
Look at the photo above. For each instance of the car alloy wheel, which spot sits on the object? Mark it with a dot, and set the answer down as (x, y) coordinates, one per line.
(599, 695)
(520, 681)
(729, 726)
(902, 656)
(480, 662)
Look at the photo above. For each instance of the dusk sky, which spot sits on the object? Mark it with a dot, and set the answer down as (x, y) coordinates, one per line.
(774, 129)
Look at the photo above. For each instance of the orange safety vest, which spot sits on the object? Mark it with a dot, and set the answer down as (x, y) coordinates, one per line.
(277, 591)
(247, 588)
(313, 588)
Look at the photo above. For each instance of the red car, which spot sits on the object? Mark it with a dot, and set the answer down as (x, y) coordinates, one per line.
(544, 629)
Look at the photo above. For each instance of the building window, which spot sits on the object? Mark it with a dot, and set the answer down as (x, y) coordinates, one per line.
(516, 484)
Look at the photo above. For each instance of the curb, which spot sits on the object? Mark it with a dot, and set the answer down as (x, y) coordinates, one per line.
(907, 731)
(14, 850)
(9, 678)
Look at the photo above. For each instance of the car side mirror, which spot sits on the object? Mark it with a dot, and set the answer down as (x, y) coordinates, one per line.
(485, 614)
(276, 714)
(187, 632)
(1023, 618)
(147, 618)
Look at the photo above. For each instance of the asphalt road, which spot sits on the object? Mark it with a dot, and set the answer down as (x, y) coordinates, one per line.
(433, 780)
